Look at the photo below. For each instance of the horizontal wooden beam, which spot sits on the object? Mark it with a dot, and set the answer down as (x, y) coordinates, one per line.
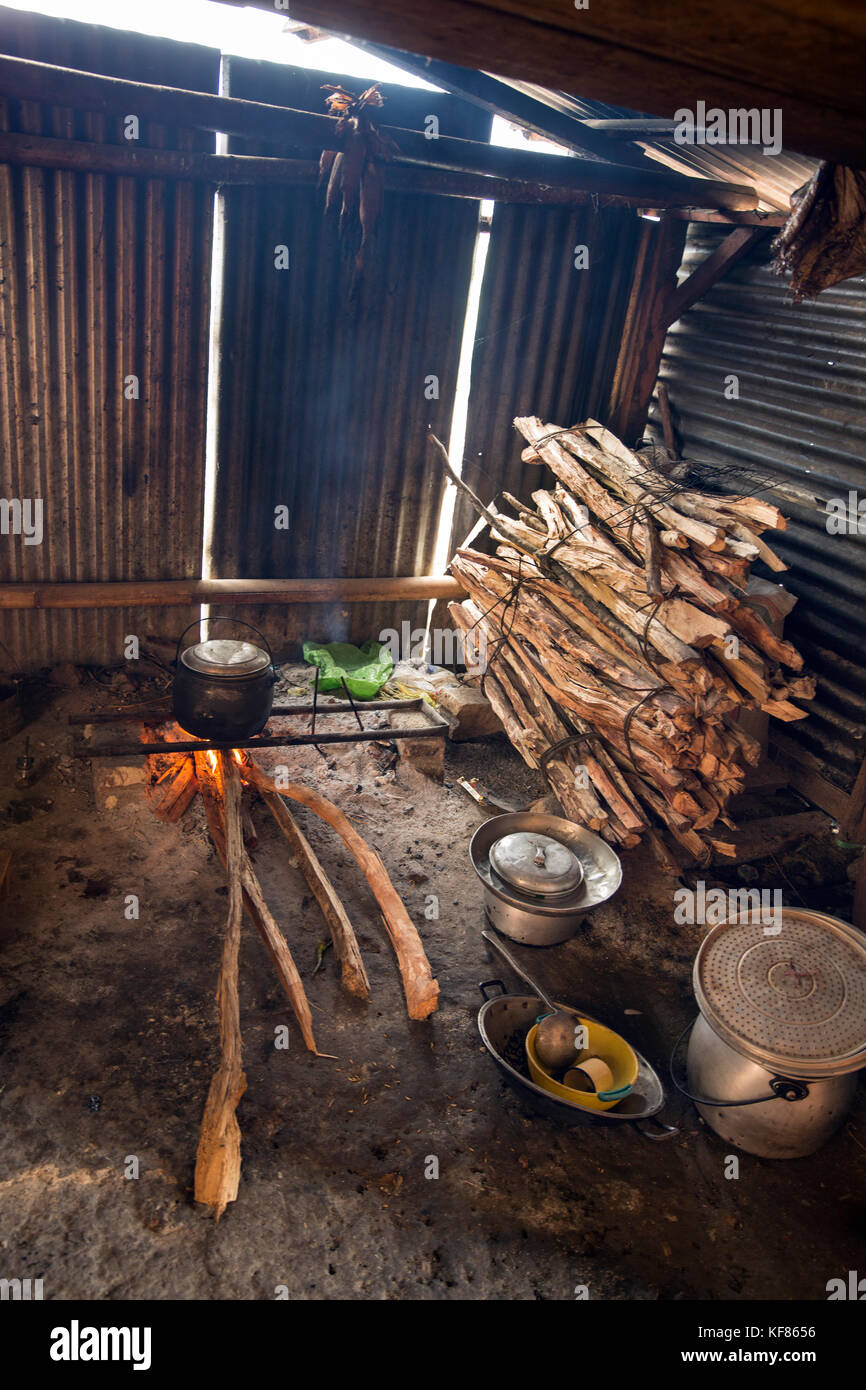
(770, 220)
(173, 593)
(804, 59)
(312, 132)
(231, 170)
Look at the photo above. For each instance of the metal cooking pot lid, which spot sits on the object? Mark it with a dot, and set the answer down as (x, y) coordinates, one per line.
(536, 863)
(792, 999)
(225, 657)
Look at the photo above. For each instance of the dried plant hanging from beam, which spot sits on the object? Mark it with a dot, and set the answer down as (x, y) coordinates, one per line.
(354, 173)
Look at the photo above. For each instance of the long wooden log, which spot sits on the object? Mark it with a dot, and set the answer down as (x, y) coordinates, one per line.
(257, 908)
(167, 593)
(352, 972)
(218, 1161)
(419, 986)
(239, 170)
(312, 132)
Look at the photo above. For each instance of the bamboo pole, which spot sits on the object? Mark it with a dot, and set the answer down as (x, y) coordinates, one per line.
(234, 170)
(168, 593)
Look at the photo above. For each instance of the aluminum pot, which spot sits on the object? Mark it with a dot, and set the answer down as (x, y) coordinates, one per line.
(223, 688)
(773, 1057)
(541, 875)
(794, 1119)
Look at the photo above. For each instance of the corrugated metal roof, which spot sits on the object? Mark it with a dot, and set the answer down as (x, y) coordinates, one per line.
(322, 397)
(799, 423)
(547, 337)
(775, 177)
(101, 278)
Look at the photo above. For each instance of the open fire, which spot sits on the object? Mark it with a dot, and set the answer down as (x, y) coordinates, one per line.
(222, 777)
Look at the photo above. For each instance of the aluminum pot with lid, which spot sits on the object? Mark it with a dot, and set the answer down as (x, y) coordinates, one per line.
(773, 1057)
(223, 687)
(541, 875)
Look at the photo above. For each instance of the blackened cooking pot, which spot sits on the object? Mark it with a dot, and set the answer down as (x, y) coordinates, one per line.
(223, 688)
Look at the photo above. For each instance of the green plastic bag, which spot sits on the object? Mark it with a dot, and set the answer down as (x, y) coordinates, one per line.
(364, 669)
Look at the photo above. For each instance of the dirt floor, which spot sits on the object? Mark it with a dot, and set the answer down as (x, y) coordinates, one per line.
(108, 1037)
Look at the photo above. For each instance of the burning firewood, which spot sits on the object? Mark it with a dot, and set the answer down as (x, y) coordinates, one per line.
(253, 898)
(218, 1162)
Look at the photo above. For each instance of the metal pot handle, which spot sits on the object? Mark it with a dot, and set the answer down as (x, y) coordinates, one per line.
(218, 618)
(484, 985)
(781, 1087)
(645, 1130)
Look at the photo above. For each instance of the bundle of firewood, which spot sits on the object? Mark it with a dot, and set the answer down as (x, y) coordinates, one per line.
(619, 645)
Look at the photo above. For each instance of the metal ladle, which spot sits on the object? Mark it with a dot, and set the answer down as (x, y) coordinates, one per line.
(555, 1043)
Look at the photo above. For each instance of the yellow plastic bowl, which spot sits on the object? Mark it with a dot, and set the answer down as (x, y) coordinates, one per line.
(603, 1043)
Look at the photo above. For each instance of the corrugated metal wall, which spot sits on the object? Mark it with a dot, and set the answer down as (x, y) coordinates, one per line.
(322, 393)
(101, 278)
(547, 338)
(799, 422)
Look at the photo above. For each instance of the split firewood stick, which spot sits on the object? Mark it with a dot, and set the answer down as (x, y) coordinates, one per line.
(278, 950)
(574, 451)
(257, 909)
(652, 558)
(352, 973)
(746, 621)
(180, 793)
(419, 986)
(218, 1161)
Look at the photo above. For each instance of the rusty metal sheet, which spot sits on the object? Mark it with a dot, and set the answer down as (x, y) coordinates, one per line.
(101, 278)
(798, 424)
(325, 393)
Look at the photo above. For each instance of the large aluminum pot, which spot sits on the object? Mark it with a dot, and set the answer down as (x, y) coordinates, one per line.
(773, 1057)
(795, 1122)
(223, 688)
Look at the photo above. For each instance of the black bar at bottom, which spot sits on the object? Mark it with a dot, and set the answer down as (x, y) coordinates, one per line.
(121, 750)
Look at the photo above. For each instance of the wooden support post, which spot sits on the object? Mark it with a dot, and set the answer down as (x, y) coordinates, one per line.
(735, 246)
(854, 823)
(637, 367)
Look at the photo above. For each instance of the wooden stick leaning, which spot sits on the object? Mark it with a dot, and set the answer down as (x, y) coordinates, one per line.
(419, 986)
(353, 974)
(218, 1161)
(257, 908)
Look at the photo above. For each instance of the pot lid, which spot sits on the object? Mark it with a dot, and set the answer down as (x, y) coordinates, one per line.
(790, 996)
(222, 656)
(536, 863)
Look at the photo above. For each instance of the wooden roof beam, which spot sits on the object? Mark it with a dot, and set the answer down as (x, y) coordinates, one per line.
(312, 132)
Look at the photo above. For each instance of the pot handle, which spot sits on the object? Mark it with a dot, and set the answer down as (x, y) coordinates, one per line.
(781, 1087)
(224, 619)
(659, 1135)
(484, 985)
